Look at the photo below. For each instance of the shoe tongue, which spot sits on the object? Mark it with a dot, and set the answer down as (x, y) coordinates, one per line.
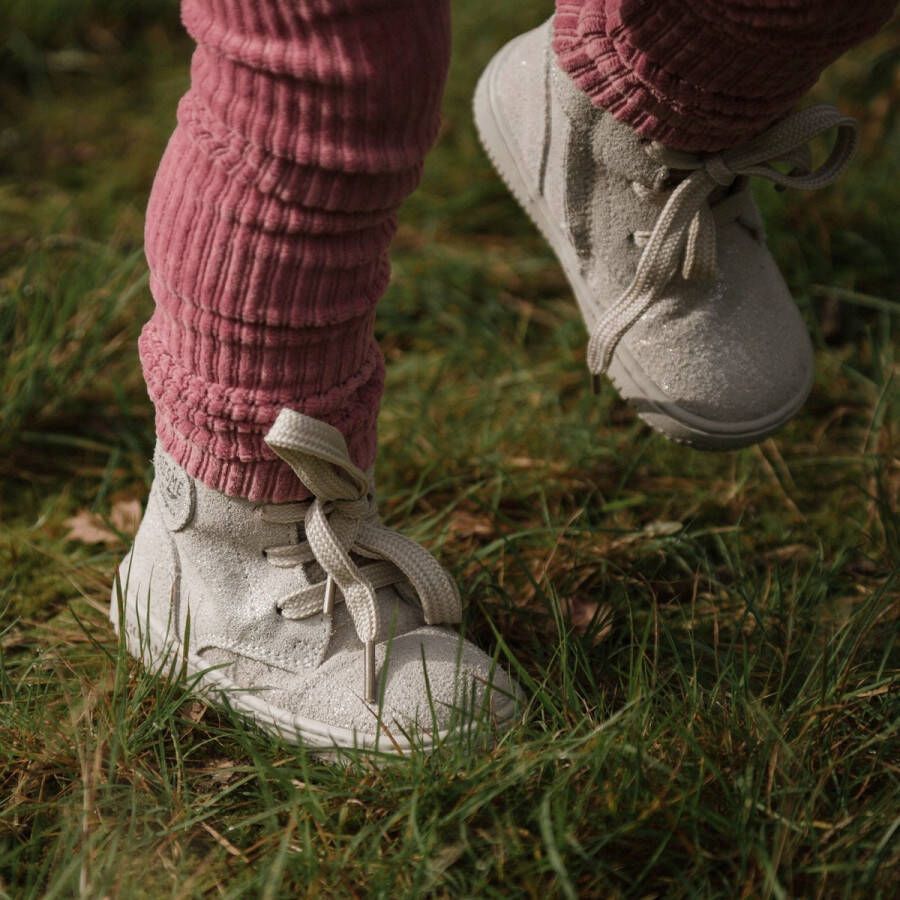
(397, 602)
(398, 616)
(400, 611)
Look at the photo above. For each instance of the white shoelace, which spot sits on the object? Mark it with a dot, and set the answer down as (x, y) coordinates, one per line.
(684, 236)
(342, 520)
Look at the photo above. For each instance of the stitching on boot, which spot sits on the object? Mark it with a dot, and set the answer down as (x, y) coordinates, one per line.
(548, 119)
(578, 155)
(261, 653)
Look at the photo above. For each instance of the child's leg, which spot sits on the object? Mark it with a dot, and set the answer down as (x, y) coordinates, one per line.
(268, 227)
(705, 74)
(305, 126)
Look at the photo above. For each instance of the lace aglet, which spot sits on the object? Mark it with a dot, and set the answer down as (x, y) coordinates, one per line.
(328, 605)
(369, 674)
(596, 383)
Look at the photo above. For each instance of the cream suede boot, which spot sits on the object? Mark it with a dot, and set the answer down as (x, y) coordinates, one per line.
(665, 251)
(312, 618)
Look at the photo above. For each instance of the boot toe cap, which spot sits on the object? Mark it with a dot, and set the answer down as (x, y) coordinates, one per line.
(734, 360)
(430, 681)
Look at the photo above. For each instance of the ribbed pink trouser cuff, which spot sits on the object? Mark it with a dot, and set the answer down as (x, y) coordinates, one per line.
(268, 226)
(704, 75)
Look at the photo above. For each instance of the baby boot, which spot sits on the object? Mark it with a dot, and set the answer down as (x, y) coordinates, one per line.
(687, 312)
(312, 618)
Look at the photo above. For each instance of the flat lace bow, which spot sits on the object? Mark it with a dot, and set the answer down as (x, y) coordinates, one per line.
(340, 521)
(684, 236)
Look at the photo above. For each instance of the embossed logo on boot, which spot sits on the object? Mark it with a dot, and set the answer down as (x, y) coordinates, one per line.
(175, 489)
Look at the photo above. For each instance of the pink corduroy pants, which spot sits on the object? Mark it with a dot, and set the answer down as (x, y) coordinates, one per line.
(305, 127)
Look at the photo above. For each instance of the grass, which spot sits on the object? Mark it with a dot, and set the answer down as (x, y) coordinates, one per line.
(709, 642)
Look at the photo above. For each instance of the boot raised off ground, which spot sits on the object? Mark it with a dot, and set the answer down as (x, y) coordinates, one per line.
(687, 311)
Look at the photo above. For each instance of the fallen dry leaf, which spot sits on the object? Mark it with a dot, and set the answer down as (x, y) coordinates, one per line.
(582, 612)
(126, 516)
(88, 528)
(223, 770)
(662, 529)
(467, 524)
(194, 710)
